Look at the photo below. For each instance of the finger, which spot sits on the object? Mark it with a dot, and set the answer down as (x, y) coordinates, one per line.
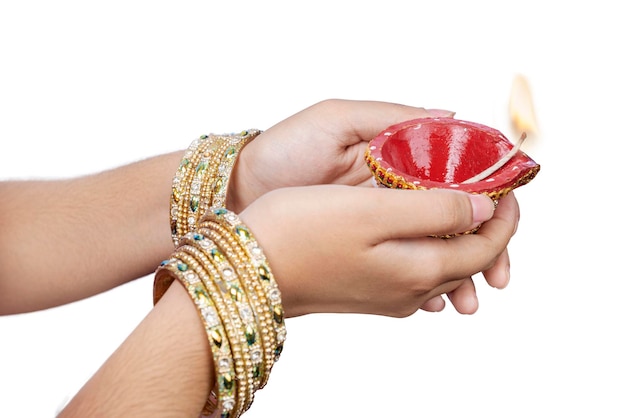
(368, 182)
(369, 118)
(505, 218)
(438, 261)
(464, 297)
(469, 254)
(436, 304)
(499, 275)
(410, 214)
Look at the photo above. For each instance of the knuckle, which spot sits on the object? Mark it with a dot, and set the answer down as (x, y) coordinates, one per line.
(329, 105)
(455, 212)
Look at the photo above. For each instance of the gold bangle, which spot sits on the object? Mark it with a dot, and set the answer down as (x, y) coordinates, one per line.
(202, 178)
(198, 183)
(257, 295)
(228, 278)
(181, 184)
(227, 162)
(224, 281)
(260, 265)
(226, 387)
(262, 363)
(177, 268)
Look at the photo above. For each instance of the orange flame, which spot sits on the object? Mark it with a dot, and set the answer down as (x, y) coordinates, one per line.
(521, 108)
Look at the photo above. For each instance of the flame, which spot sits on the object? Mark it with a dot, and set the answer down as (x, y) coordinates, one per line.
(521, 108)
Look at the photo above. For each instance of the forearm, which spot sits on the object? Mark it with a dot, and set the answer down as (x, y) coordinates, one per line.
(163, 369)
(65, 240)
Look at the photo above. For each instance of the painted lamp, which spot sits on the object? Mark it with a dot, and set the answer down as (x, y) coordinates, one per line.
(447, 153)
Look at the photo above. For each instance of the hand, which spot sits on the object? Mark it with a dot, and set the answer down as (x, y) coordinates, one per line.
(323, 144)
(366, 250)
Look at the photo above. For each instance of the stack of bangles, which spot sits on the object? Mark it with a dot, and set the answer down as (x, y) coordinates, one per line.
(219, 262)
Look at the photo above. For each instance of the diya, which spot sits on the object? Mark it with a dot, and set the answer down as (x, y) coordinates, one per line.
(447, 153)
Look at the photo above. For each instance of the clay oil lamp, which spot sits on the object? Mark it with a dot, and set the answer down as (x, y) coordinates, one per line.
(447, 153)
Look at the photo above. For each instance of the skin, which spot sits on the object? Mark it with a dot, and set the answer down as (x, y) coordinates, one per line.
(317, 260)
(153, 375)
(115, 226)
(87, 229)
(323, 144)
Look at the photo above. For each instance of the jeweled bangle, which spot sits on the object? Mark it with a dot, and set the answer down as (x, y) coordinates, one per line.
(193, 188)
(258, 335)
(202, 178)
(224, 271)
(224, 279)
(232, 393)
(177, 268)
(181, 185)
(246, 270)
(235, 143)
(258, 262)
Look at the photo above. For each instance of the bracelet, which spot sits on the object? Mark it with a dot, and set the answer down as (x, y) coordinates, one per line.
(189, 275)
(236, 311)
(258, 267)
(261, 356)
(229, 280)
(238, 386)
(202, 178)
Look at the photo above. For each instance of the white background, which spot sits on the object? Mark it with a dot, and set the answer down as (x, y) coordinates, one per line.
(86, 86)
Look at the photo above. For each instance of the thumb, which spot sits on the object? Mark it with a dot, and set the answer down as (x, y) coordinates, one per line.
(414, 213)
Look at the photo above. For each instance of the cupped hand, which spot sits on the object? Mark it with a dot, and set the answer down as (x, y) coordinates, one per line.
(336, 248)
(322, 144)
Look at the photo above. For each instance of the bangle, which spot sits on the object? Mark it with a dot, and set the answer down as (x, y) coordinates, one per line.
(223, 283)
(179, 268)
(226, 387)
(228, 223)
(257, 263)
(224, 270)
(202, 178)
(261, 355)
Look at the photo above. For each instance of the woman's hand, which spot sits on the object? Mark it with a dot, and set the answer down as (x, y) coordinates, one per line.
(323, 144)
(366, 250)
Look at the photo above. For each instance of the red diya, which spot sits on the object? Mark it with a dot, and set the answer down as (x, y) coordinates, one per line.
(447, 153)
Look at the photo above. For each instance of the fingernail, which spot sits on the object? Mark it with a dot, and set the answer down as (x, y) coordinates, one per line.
(440, 113)
(482, 207)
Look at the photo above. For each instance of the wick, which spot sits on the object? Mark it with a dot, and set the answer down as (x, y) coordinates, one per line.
(489, 171)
